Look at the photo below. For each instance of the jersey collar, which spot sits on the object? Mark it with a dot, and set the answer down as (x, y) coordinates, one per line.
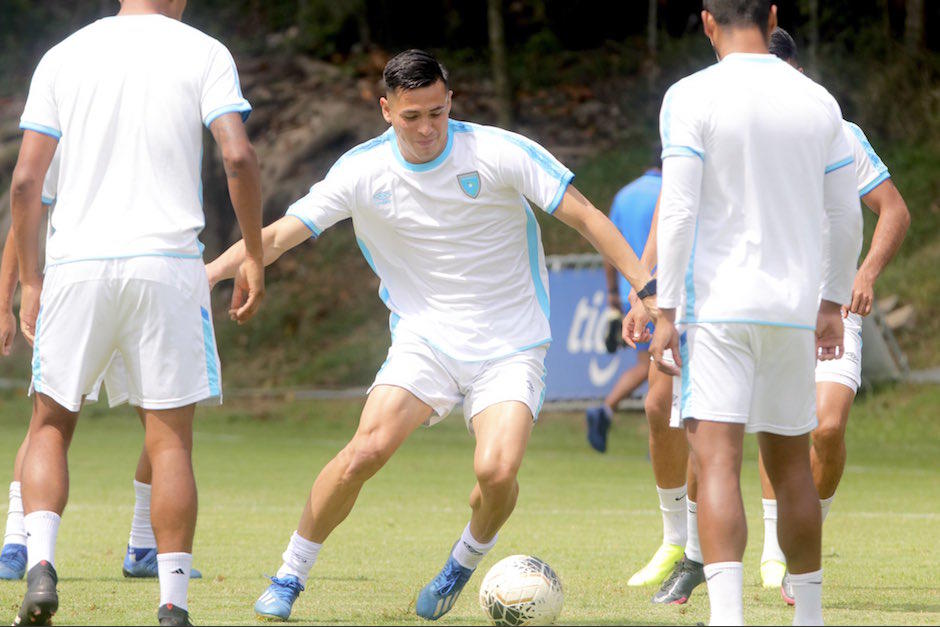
(430, 165)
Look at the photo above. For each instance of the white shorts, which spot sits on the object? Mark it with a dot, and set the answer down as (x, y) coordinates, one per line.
(114, 379)
(756, 375)
(154, 311)
(442, 382)
(846, 370)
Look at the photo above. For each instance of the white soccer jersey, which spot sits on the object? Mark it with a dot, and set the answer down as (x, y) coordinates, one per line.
(51, 183)
(454, 242)
(126, 96)
(744, 239)
(870, 170)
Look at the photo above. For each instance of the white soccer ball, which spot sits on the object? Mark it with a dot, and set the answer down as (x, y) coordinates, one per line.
(521, 590)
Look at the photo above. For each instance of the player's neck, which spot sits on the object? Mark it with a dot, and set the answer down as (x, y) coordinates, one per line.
(144, 7)
(741, 40)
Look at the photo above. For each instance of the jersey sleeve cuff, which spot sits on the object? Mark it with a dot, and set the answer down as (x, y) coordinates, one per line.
(243, 107)
(41, 128)
(560, 193)
(315, 232)
(682, 151)
(878, 180)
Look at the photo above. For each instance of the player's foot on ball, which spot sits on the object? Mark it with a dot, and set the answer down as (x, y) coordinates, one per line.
(676, 590)
(771, 573)
(13, 561)
(786, 590)
(439, 596)
(278, 599)
(598, 424)
(143, 563)
(41, 600)
(169, 614)
(663, 562)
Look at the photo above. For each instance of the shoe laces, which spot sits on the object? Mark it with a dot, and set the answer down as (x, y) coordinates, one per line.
(450, 577)
(286, 588)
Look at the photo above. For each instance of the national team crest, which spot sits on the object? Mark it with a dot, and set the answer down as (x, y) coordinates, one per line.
(470, 183)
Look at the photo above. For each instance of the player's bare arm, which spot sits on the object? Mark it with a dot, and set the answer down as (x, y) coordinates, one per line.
(893, 220)
(634, 325)
(9, 276)
(577, 212)
(36, 153)
(244, 185)
(276, 239)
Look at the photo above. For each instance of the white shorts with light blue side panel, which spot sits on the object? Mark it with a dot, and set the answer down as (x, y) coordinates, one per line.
(846, 370)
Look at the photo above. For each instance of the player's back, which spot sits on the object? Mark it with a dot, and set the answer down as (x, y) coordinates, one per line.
(766, 136)
(129, 95)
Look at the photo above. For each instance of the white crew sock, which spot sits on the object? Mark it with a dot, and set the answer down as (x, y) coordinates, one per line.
(469, 551)
(673, 504)
(173, 569)
(16, 532)
(807, 592)
(772, 550)
(824, 505)
(42, 529)
(299, 558)
(693, 550)
(725, 592)
(141, 530)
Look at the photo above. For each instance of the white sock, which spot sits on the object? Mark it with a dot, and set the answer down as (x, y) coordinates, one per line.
(42, 529)
(16, 532)
(299, 558)
(673, 504)
(173, 569)
(725, 592)
(469, 551)
(693, 550)
(824, 505)
(772, 550)
(807, 592)
(141, 530)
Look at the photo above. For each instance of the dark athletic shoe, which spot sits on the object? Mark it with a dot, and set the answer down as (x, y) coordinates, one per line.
(686, 577)
(169, 614)
(41, 600)
(786, 590)
(598, 424)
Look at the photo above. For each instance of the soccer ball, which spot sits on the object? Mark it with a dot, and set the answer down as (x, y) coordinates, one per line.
(521, 590)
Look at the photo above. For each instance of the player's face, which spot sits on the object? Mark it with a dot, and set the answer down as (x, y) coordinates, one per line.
(419, 117)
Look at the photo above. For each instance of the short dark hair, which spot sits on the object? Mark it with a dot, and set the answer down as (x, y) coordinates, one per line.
(739, 12)
(782, 45)
(413, 69)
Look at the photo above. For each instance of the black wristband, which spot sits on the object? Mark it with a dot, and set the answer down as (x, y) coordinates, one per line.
(648, 290)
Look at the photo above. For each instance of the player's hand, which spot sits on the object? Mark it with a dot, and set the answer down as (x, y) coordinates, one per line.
(7, 331)
(635, 325)
(249, 290)
(29, 309)
(665, 337)
(863, 293)
(829, 331)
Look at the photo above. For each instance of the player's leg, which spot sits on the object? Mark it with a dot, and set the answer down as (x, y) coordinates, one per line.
(599, 418)
(689, 573)
(827, 455)
(13, 556)
(773, 563)
(799, 527)
(390, 415)
(668, 453)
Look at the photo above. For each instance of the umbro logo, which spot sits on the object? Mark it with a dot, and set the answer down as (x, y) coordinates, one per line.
(382, 197)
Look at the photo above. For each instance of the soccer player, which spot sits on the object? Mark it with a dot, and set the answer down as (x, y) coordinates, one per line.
(754, 162)
(440, 212)
(124, 100)
(140, 560)
(837, 381)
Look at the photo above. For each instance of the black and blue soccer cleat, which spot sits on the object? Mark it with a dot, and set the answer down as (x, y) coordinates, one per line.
(142, 563)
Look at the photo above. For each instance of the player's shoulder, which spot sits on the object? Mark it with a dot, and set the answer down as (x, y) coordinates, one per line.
(692, 91)
(493, 144)
(362, 159)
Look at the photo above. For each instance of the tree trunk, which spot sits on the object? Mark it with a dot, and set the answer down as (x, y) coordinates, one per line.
(812, 43)
(914, 25)
(499, 63)
(652, 30)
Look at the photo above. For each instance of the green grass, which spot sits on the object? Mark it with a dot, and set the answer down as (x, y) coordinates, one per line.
(593, 517)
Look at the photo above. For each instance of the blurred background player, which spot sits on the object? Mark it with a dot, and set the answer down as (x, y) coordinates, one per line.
(838, 380)
(125, 269)
(741, 251)
(140, 559)
(440, 213)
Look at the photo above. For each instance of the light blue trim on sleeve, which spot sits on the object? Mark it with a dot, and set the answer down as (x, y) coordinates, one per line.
(881, 178)
(876, 161)
(534, 244)
(39, 128)
(307, 222)
(365, 146)
(212, 364)
(562, 188)
(840, 164)
(690, 278)
(537, 153)
(244, 108)
(682, 151)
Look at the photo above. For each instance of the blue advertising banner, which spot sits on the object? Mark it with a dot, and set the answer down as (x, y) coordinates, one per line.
(578, 364)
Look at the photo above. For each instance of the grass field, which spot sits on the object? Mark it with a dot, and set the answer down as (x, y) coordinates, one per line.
(593, 517)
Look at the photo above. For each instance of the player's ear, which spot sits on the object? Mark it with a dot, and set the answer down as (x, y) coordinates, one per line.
(386, 109)
(708, 25)
(772, 19)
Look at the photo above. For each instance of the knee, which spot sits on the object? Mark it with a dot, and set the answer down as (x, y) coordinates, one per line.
(828, 439)
(363, 460)
(497, 476)
(657, 411)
